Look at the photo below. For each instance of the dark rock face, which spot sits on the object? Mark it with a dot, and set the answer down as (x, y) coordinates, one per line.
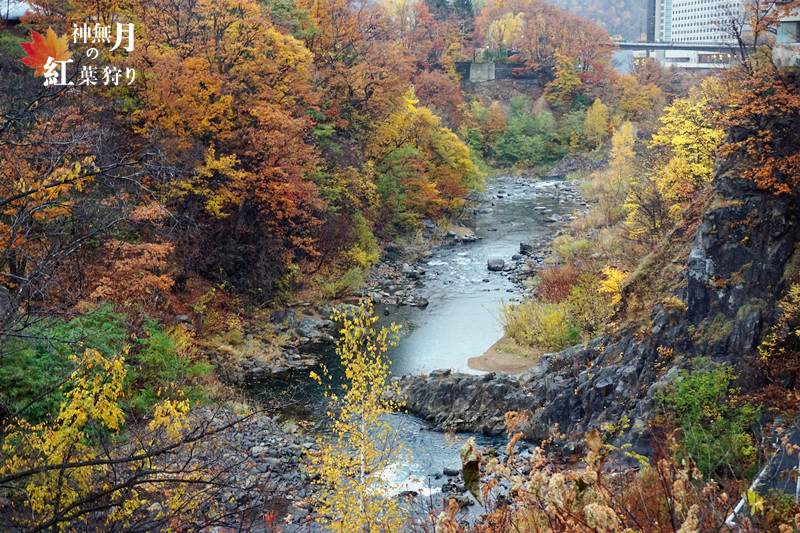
(572, 163)
(308, 328)
(461, 402)
(740, 251)
(730, 285)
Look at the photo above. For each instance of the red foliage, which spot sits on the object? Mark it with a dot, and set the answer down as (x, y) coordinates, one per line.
(549, 31)
(556, 282)
(437, 90)
(762, 111)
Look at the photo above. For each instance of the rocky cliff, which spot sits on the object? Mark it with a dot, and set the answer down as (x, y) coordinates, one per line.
(723, 275)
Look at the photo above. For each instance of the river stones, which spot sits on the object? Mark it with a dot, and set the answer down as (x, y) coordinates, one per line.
(495, 264)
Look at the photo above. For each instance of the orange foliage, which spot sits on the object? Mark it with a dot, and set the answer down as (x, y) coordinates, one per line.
(135, 273)
(42, 49)
(220, 77)
(433, 38)
(359, 65)
(42, 178)
(549, 31)
(438, 91)
(634, 99)
(763, 111)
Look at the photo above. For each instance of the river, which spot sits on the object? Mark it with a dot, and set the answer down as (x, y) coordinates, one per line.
(460, 321)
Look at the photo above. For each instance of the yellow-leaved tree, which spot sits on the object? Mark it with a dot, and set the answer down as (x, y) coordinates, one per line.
(610, 185)
(506, 29)
(353, 495)
(681, 164)
(79, 473)
(596, 122)
(424, 168)
(566, 84)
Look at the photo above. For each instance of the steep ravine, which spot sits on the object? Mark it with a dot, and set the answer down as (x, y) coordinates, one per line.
(458, 323)
(738, 250)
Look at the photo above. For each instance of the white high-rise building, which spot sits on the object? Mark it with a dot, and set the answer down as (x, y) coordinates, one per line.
(702, 21)
(695, 22)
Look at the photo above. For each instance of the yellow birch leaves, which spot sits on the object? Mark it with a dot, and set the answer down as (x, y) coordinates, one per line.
(353, 495)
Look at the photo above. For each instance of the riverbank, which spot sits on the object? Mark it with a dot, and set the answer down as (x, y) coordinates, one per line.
(504, 356)
(510, 227)
(259, 471)
(513, 224)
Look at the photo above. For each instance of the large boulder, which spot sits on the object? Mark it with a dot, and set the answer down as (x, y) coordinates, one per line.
(495, 264)
(308, 327)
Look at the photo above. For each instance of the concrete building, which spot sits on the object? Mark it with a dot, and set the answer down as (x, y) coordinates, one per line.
(695, 21)
(700, 22)
(787, 42)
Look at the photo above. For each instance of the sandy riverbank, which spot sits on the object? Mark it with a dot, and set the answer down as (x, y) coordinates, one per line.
(501, 358)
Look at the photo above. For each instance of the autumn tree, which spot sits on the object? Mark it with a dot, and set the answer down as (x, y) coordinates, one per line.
(549, 31)
(504, 31)
(437, 91)
(566, 84)
(610, 185)
(596, 124)
(358, 64)
(760, 103)
(762, 111)
(483, 126)
(635, 101)
(352, 494)
(425, 169)
(231, 92)
(752, 25)
(691, 136)
(137, 274)
(69, 173)
(74, 472)
(679, 166)
(648, 71)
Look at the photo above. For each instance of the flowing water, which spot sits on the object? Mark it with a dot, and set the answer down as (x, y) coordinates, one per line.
(460, 321)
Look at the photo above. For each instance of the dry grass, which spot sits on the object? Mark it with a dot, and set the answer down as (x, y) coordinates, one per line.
(556, 282)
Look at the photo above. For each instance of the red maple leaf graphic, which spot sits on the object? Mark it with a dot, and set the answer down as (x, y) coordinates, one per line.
(41, 49)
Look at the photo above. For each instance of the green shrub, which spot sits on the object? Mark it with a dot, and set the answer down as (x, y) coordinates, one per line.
(545, 326)
(528, 139)
(158, 365)
(715, 429)
(345, 285)
(37, 362)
